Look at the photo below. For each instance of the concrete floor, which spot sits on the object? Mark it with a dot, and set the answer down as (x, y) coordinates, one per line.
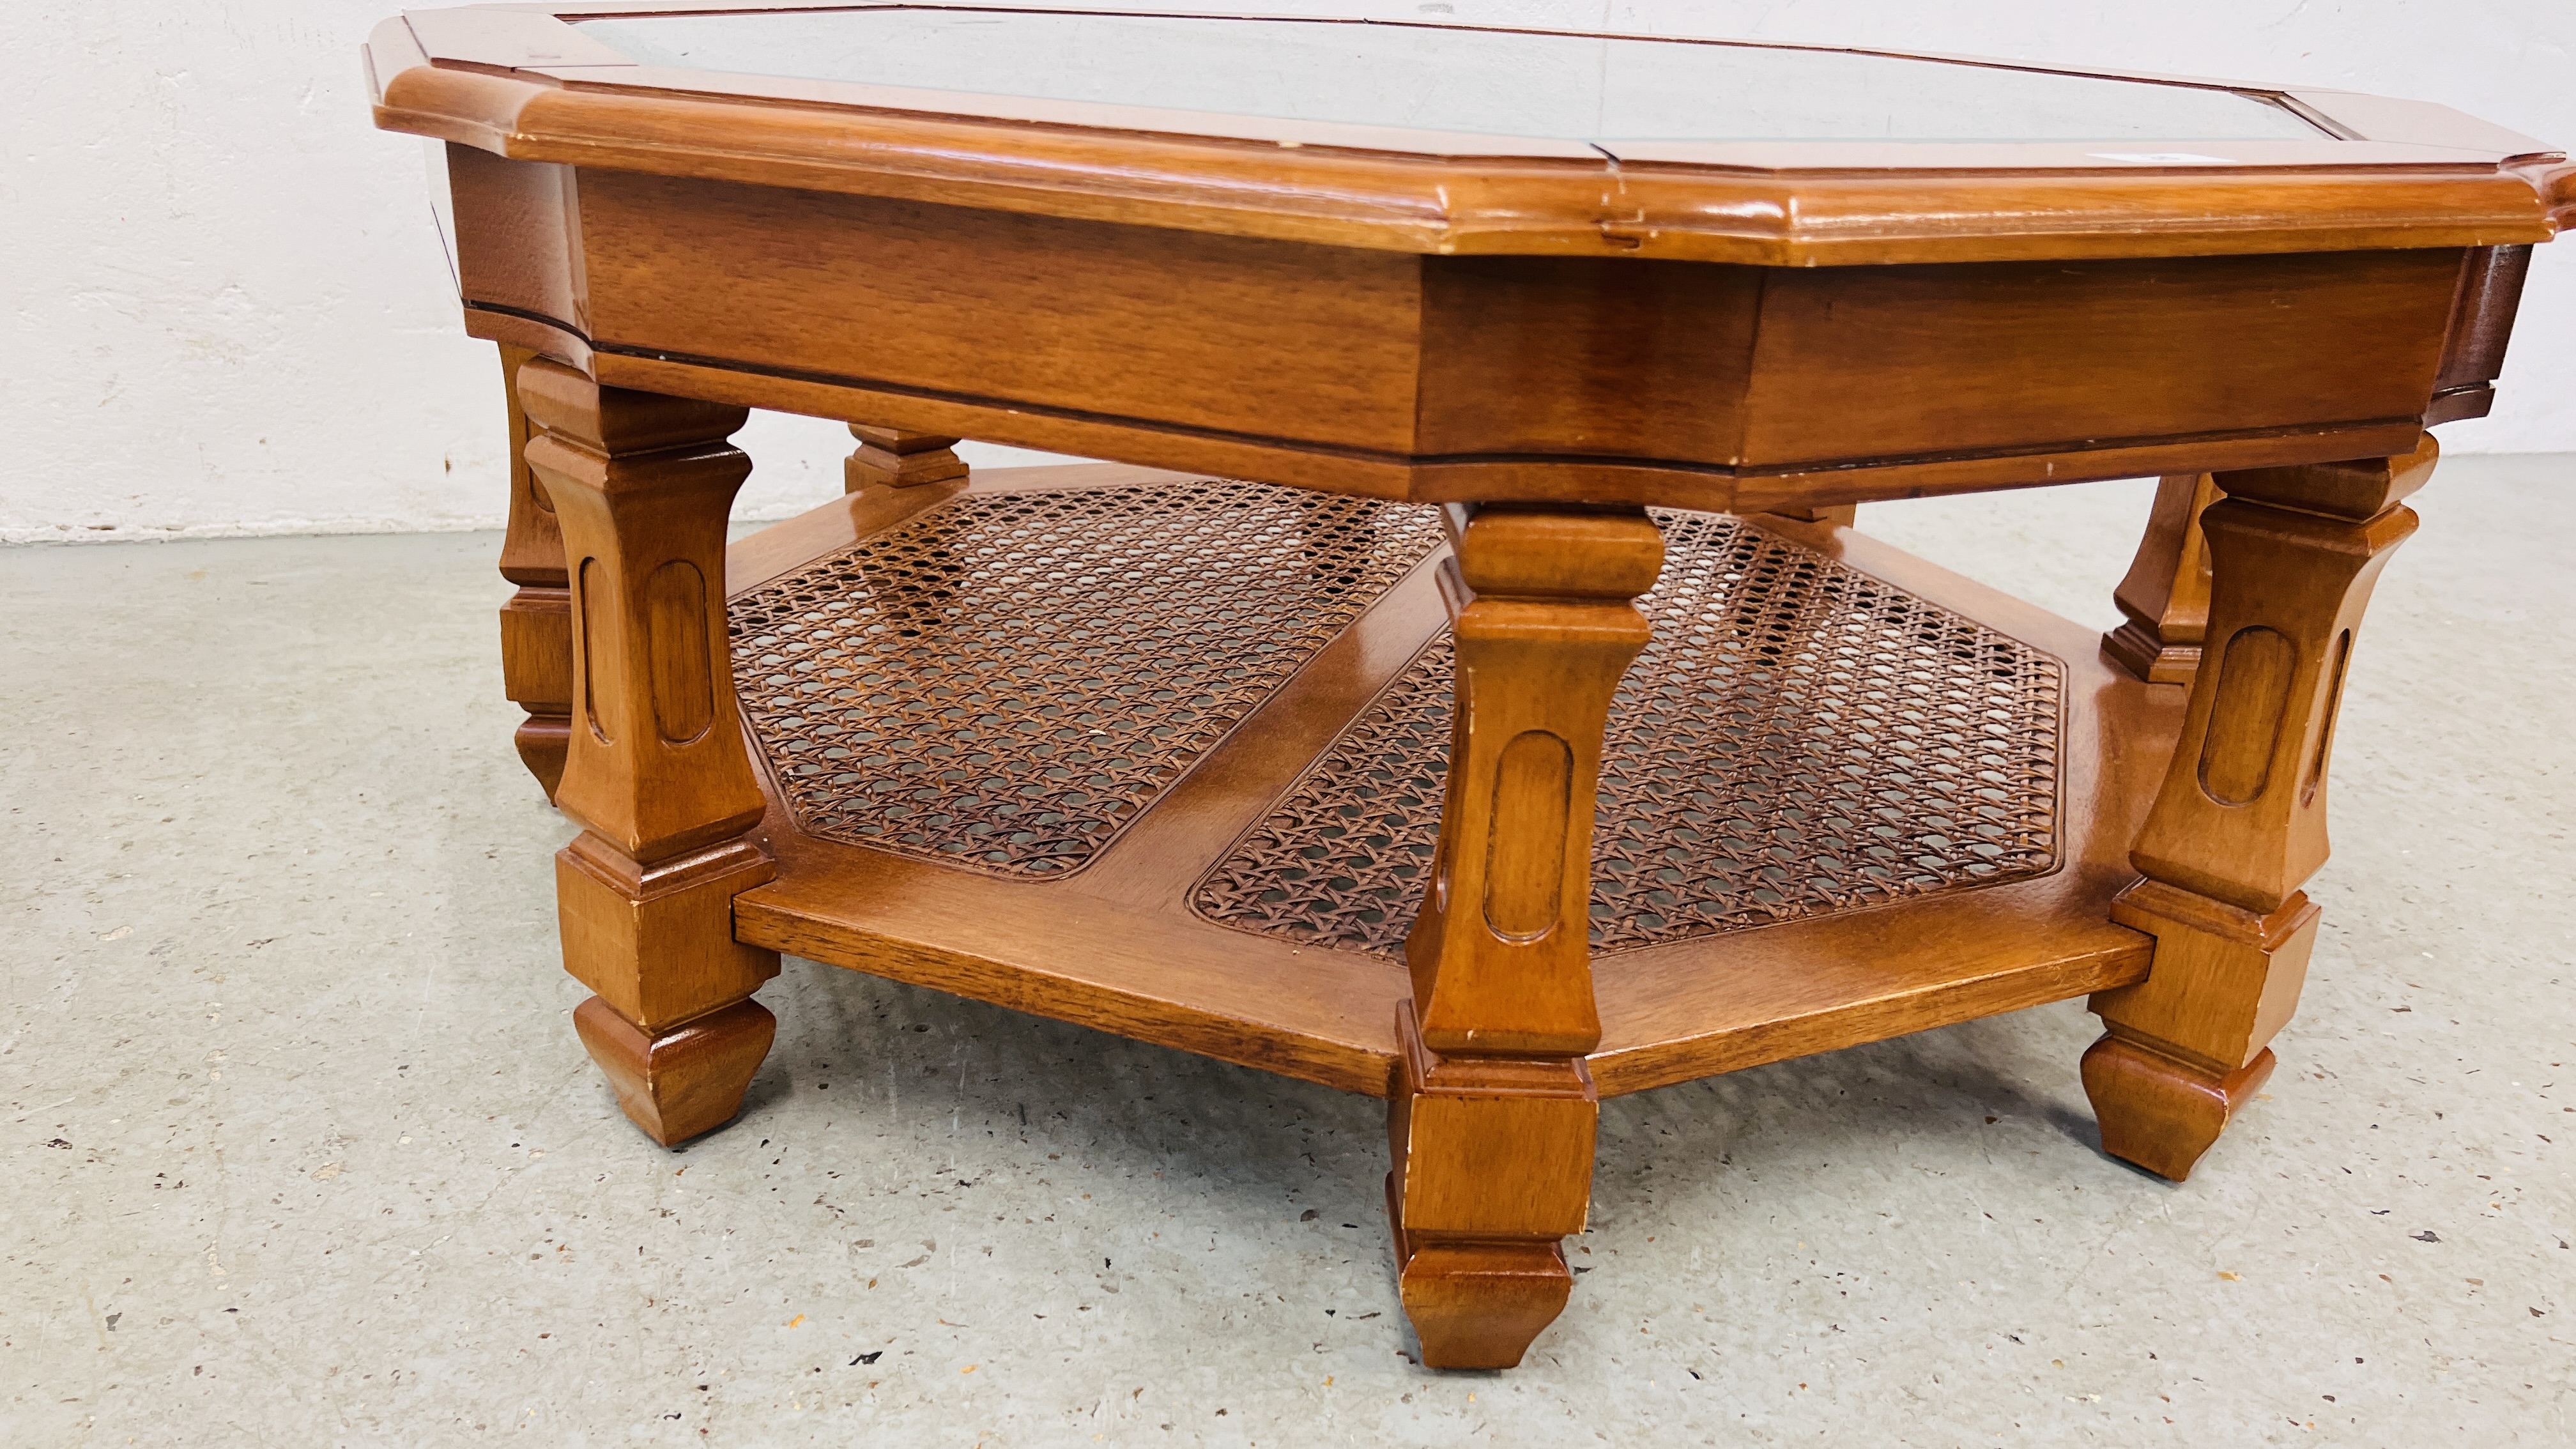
(303, 1151)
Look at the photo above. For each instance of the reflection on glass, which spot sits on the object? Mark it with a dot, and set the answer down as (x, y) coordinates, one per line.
(1498, 83)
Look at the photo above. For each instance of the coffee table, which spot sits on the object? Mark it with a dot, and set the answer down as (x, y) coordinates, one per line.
(1464, 687)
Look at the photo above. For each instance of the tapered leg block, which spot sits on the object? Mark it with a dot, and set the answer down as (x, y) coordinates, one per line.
(658, 941)
(2160, 1113)
(1493, 1164)
(687, 1081)
(1477, 1305)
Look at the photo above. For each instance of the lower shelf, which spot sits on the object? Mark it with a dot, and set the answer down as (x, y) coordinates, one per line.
(1162, 755)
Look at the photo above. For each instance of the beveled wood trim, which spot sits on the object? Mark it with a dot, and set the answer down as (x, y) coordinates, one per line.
(1847, 204)
(2557, 187)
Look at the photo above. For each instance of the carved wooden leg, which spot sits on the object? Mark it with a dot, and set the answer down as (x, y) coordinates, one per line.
(536, 625)
(2240, 823)
(656, 774)
(2166, 594)
(1493, 1113)
(893, 458)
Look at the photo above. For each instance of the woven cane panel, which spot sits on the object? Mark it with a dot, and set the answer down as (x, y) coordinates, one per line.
(1005, 681)
(1799, 739)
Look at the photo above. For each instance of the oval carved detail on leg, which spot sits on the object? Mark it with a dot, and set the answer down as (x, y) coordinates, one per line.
(644, 896)
(2245, 720)
(2334, 707)
(675, 611)
(585, 604)
(1525, 851)
(2294, 554)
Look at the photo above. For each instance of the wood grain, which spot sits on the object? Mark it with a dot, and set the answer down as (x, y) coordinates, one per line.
(1514, 478)
(2164, 1119)
(2240, 821)
(686, 1082)
(1493, 1166)
(518, 254)
(1493, 1115)
(1692, 1009)
(924, 298)
(1485, 379)
(1584, 358)
(656, 774)
(1543, 629)
(1550, 336)
(2105, 350)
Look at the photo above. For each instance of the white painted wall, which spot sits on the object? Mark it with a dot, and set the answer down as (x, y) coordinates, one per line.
(227, 312)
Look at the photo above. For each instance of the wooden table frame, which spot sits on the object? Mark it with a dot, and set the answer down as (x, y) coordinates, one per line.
(1456, 321)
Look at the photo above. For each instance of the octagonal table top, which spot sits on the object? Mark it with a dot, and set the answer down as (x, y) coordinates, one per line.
(1446, 138)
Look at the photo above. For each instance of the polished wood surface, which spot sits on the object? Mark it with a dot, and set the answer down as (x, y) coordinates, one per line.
(1466, 379)
(687, 1081)
(1845, 515)
(1117, 946)
(893, 458)
(1539, 612)
(2044, 324)
(1493, 1166)
(1680, 1012)
(2240, 821)
(1546, 337)
(1493, 1114)
(656, 774)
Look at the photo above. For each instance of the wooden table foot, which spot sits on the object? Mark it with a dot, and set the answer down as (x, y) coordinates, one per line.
(2159, 1112)
(673, 1024)
(688, 1080)
(1493, 1164)
(1476, 1305)
(1480, 1305)
(543, 740)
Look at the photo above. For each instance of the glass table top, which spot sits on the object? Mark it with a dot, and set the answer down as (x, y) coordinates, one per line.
(1504, 83)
